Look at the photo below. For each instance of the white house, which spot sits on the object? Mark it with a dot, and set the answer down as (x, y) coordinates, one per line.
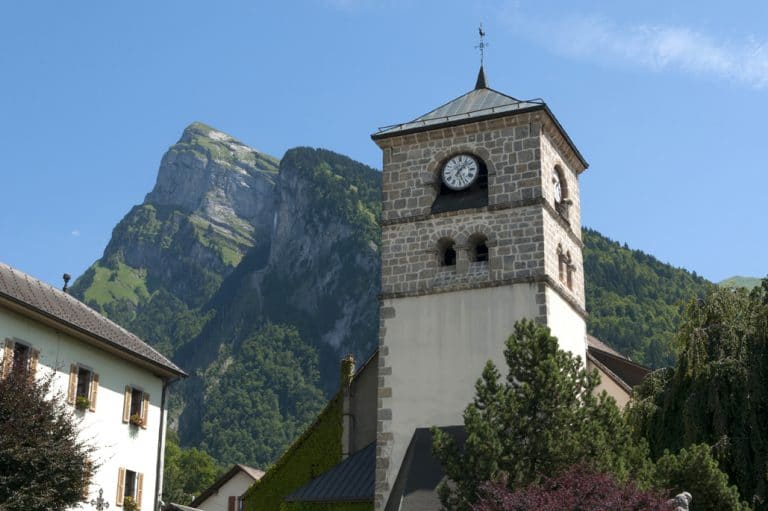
(116, 384)
(225, 494)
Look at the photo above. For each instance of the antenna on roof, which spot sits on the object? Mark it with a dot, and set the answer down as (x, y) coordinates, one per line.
(481, 84)
(66, 278)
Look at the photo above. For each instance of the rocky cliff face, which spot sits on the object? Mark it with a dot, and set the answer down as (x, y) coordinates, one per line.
(234, 255)
(213, 201)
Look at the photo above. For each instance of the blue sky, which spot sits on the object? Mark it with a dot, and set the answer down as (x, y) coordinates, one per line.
(666, 102)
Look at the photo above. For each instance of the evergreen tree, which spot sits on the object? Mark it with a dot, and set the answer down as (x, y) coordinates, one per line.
(540, 420)
(718, 391)
(43, 464)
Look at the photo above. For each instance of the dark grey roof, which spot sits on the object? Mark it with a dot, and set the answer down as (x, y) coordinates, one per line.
(472, 105)
(35, 296)
(352, 480)
(415, 488)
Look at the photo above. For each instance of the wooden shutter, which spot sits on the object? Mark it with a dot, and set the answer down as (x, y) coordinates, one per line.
(33, 358)
(139, 489)
(87, 473)
(145, 411)
(120, 486)
(7, 357)
(72, 389)
(94, 391)
(127, 404)
(231, 503)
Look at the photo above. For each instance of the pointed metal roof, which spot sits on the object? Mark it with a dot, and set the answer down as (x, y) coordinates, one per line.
(480, 102)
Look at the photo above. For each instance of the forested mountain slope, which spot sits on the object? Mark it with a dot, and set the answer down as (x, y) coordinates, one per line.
(634, 300)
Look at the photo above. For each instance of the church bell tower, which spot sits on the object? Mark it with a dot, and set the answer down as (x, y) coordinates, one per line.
(480, 228)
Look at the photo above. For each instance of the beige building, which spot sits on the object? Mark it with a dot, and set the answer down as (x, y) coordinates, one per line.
(115, 383)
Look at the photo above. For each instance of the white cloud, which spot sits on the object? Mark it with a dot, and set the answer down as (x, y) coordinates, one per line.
(75, 233)
(655, 47)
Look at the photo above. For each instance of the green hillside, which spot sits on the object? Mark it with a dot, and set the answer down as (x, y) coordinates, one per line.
(634, 300)
(737, 281)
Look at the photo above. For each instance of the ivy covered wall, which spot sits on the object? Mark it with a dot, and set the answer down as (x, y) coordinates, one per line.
(330, 506)
(317, 450)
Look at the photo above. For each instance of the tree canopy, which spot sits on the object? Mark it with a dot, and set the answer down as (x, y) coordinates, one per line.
(539, 420)
(43, 463)
(718, 391)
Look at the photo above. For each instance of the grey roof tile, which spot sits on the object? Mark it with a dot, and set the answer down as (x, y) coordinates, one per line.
(38, 297)
(474, 104)
(352, 480)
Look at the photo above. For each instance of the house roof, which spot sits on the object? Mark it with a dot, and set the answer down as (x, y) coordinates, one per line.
(619, 368)
(253, 473)
(352, 480)
(415, 488)
(34, 298)
(178, 507)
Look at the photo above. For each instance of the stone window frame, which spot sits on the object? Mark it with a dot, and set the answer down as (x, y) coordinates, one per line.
(564, 205)
(444, 247)
(474, 241)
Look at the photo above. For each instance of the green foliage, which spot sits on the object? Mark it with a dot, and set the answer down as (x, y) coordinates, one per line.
(718, 392)
(695, 470)
(326, 506)
(42, 461)
(187, 472)
(314, 452)
(260, 397)
(539, 420)
(634, 300)
(342, 189)
(746, 282)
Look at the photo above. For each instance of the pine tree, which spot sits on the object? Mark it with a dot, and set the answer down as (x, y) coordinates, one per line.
(540, 420)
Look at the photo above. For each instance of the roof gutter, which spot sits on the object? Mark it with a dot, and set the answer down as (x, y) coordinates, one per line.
(161, 442)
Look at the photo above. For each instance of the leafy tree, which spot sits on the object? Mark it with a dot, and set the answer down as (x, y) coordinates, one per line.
(187, 471)
(43, 463)
(538, 421)
(695, 470)
(718, 391)
(579, 487)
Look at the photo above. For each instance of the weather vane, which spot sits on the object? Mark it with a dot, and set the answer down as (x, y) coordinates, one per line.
(482, 45)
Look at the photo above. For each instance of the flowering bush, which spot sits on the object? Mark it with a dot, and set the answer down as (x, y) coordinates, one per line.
(578, 488)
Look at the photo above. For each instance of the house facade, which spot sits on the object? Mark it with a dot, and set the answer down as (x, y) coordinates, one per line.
(115, 383)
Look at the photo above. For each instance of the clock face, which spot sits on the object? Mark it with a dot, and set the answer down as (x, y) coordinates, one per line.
(460, 172)
(557, 188)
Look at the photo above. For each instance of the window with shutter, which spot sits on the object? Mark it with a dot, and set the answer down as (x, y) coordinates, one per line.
(120, 486)
(72, 387)
(232, 501)
(136, 406)
(7, 357)
(139, 490)
(94, 391)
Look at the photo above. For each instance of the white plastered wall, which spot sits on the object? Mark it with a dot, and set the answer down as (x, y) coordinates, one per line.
(567, 325)
(438, 346)
(118, 444)
(235, 487)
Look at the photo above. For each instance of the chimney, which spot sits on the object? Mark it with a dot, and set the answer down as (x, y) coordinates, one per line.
(66, 278)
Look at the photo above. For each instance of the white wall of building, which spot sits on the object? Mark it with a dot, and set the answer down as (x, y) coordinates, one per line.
(567, 325)
(438, 346)
(235, 487)
(119, 444)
